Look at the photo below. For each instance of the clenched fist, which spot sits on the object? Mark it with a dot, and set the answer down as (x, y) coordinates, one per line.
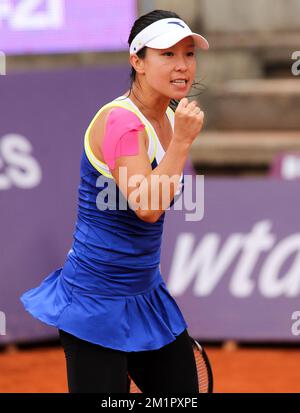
(188, 121)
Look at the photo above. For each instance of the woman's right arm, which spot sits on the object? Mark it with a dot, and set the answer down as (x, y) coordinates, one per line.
(149, 192)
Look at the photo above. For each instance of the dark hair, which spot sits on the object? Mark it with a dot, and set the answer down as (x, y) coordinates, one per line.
(140, 24)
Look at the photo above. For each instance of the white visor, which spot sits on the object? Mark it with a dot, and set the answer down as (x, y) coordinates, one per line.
(165, 33)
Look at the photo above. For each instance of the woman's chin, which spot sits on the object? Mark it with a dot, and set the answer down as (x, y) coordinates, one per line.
(179, 95)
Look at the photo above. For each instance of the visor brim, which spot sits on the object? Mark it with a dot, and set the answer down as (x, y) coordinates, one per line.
(169, 39)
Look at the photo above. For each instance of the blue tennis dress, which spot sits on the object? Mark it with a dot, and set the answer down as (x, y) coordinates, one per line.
(110, 289)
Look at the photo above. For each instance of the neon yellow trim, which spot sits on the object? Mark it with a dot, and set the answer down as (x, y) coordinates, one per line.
(97, 164)
(93, 160)
(89, 153)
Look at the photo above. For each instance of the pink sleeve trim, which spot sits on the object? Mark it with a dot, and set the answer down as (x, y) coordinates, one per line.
(121, 135)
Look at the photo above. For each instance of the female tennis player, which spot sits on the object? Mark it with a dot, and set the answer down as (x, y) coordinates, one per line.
(108, 301)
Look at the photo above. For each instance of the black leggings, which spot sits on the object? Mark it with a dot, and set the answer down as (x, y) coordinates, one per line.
(92, 368)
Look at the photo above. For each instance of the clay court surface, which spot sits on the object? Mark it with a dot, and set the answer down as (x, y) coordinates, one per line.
(42, 370)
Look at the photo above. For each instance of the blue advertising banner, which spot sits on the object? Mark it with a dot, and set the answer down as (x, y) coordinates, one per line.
(43, 118)
(236, 273)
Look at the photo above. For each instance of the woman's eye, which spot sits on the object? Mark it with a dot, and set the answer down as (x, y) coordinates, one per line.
(171, 54)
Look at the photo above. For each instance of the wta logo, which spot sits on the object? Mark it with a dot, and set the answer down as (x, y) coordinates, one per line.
(249, 263)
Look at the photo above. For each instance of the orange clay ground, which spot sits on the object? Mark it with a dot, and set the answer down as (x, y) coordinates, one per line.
(238, 370)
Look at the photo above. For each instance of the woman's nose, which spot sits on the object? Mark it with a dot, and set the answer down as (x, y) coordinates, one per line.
(181, 63)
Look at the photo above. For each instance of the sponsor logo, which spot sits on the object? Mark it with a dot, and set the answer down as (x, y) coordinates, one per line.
(256, 261)
(18, 168)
